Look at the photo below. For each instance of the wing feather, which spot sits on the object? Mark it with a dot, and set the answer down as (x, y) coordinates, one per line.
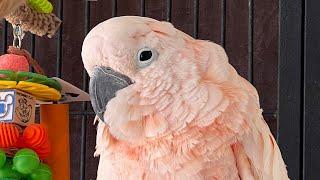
(257, 147)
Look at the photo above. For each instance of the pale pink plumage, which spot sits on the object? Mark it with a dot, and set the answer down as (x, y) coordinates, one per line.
(188, 115)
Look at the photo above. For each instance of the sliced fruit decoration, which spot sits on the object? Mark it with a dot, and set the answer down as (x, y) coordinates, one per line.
(40, 86)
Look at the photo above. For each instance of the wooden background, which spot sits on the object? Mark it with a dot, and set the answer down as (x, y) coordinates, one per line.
(248, 29)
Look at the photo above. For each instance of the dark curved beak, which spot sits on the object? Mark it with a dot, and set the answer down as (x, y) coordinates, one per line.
(104, 84)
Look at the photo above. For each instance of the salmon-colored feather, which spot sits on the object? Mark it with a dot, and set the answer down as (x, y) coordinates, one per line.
(188, 115)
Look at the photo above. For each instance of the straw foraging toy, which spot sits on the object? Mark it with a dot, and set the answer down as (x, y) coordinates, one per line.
(8, 6)
(36, 22)
(42, 6)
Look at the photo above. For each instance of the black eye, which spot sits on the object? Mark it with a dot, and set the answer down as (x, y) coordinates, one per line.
(145, 55)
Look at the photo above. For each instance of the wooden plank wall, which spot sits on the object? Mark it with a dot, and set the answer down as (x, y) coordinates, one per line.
(311, 88)
(299, 87)
(290, 79)
(247, 29)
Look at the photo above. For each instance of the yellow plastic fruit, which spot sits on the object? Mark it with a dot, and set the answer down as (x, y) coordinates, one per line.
(8, 84)
(40, 91)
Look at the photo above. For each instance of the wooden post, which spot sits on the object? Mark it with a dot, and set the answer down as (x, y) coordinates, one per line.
(55, 117)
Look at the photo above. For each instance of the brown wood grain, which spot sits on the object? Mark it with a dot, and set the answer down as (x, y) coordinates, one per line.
(46, 49)
(73, 28)
(73, 33)
(10, 37)
(75, 142)
(2, 38)
(265, 52)
(271, 120)
(47, 54)
(128, 8)
(99, 12)
(210, 20)
(182, 15)
(156, 9)
(91, 161)
(237, 35)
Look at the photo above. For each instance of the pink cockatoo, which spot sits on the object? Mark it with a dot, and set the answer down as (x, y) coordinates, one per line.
(172, 107)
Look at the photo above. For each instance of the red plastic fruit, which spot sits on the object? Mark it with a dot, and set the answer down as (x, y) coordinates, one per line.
(9, 135)
(14, 62)
(35, 137)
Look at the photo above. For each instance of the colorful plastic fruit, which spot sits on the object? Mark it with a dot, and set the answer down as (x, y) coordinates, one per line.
(44, 151)
(3, 158)
(8, 75)
(29, 77)
(38, 78)
(35, 137)
(6, 172)
(14, 62)
(42, 87)
(9, 135)
(42, 6)
(25, 161)
(43, 172)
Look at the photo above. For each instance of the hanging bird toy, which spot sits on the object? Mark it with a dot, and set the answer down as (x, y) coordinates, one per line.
(36, 17)
(25, 145)
(29, 150)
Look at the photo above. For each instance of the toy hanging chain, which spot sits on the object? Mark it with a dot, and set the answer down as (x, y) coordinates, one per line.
(18, 35)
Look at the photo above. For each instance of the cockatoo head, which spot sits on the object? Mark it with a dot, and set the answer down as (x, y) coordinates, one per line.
(147, 78)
